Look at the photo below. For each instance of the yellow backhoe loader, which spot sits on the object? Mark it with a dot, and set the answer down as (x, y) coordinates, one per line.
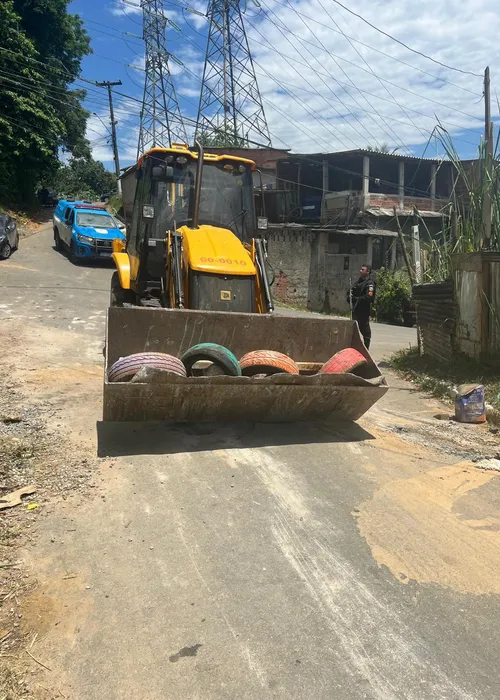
(194, 270)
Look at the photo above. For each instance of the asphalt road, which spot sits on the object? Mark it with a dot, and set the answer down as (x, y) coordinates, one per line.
(252, 561)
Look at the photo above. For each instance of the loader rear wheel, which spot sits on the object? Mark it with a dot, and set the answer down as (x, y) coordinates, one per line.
(119, 296)
(127, 367)
(217, 354)
(267, 362)
(343, 362)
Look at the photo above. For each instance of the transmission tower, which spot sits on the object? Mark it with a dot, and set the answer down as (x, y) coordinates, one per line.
(230, 111)
(161, 120)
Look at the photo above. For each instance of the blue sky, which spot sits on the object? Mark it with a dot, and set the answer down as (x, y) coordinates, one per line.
(328, 80)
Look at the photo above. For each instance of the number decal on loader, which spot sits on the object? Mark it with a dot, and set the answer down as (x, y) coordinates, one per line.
(223, 261)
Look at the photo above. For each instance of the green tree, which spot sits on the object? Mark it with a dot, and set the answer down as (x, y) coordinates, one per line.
(383, 148)
(220, 139)
(83, 178)
(39, 114)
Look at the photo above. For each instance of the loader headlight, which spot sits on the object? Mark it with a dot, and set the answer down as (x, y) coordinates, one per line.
(85, 239)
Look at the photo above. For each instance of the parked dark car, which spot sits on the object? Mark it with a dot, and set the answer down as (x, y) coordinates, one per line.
(9, 236)
(47, 198)
(106, 196)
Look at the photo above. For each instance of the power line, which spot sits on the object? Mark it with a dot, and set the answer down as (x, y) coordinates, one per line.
(304, 106)
(286, 57)
(352, 83)
(401, 43)
(351, 43)
(389, 82)
(373, 48)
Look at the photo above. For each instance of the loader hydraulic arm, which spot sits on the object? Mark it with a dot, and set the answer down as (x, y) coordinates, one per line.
(176, 269)
(260, 259)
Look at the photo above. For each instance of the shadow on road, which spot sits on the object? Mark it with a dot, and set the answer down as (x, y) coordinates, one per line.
(121, 439)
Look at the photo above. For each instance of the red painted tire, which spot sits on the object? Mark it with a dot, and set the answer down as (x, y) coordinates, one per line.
(126, 367)
(343, 362)
(267, 362)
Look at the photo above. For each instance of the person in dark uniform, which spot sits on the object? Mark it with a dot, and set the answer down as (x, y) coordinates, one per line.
(360, 297)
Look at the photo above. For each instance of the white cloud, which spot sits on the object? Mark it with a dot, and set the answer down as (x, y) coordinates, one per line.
(126, 7)
(323, 92)
(319, 94)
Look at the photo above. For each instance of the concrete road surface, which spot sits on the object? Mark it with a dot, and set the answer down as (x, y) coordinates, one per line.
(249, 561)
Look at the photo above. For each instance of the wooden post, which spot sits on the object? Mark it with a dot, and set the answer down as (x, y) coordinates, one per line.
(394, 248)
(326, 187)
(487, 184)
(406, 257)
(366, 181)
(433, 186)
(401, 184)
(416, 248)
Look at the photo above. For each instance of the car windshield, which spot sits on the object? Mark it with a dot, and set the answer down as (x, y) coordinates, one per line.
(95, 220)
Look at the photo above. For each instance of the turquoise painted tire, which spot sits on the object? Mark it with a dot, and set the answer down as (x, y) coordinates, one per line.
(217, 354)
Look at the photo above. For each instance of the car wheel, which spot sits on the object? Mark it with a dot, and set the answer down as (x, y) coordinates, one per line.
(72, 254)
(58, 244)
(5, 251)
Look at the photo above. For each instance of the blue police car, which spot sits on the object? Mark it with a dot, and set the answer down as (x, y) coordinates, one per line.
(86, 230)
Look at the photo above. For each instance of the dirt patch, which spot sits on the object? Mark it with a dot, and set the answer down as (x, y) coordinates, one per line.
(417, 529)
(31, 452)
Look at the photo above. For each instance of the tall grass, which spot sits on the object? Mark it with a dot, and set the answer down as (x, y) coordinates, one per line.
(471, 183)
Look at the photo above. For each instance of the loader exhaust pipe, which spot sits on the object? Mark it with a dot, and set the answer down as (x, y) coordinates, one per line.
(197, 184)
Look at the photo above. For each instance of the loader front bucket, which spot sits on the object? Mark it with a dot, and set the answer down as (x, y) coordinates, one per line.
(281, 397)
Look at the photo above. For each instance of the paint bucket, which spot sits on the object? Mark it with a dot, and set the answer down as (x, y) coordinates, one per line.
(470, 406)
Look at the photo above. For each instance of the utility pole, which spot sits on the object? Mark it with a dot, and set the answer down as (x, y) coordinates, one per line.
(109, 84)
(488, 155)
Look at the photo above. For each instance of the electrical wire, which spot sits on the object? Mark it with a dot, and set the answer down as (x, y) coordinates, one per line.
(280, 85)
(401, 43)
(356, 65)
(393, 133)
(286, 57)
(304, 106)
(353, 46)
(373, 48)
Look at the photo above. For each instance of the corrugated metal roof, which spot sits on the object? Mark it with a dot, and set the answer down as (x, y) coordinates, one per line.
(361, 152)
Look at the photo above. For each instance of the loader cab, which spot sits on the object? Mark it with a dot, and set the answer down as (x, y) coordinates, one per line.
(165, 197)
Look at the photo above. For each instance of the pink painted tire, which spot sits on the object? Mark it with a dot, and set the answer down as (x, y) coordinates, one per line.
(127, 367)
(343, 362)
(267, 362)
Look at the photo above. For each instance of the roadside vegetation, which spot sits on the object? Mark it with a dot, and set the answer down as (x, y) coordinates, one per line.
(42, 116)
(436, 377)
(393, 295)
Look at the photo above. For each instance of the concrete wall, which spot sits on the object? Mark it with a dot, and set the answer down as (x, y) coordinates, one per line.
(314, 269)
(477, 289)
